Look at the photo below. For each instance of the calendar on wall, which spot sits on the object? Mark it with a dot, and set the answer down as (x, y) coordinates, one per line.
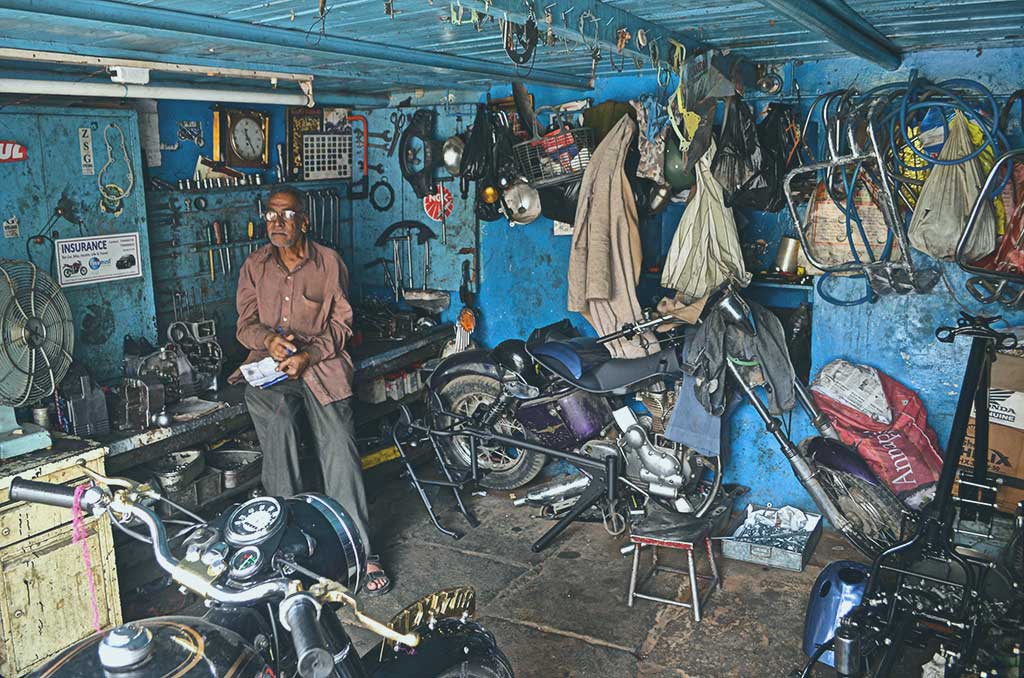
(326, 156)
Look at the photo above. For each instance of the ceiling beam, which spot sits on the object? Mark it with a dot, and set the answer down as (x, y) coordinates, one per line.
(134, 17)
(600, 25)
(844, 27)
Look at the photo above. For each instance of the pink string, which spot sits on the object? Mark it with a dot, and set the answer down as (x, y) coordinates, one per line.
(78, 536)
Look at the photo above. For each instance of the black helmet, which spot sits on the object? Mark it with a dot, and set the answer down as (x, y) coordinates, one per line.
(512, 355)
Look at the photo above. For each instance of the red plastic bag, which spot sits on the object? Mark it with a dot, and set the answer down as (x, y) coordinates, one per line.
(886, 423)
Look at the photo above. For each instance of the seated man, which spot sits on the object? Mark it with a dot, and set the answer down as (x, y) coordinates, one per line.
(293, 305)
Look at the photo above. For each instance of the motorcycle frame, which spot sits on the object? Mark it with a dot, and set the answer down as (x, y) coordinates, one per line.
(933, 538)
(604, 473)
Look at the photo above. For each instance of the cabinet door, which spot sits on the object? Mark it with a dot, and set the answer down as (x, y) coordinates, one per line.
(105, 312)
(45, 605)
(20, 520)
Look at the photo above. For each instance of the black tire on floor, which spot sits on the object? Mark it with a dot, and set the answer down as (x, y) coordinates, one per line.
(471, 388)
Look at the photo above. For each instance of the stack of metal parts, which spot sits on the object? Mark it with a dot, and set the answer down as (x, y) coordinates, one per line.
(86, 407)
(873, 145)
(157, 377)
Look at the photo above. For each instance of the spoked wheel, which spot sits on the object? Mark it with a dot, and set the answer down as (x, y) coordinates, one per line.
(506, 467)
(873, 511)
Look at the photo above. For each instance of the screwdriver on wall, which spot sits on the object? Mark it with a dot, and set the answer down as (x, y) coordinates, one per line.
(219, 239)
(252, 230)
(227, 245)
(209, 251)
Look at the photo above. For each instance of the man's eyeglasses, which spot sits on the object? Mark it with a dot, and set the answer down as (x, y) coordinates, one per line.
(287, 215)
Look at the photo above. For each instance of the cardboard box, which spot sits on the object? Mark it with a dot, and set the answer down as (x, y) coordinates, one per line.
(1008, 372)
(1005, 459)
(1005, 407)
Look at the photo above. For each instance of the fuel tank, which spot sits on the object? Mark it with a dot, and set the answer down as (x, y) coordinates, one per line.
(162, 647)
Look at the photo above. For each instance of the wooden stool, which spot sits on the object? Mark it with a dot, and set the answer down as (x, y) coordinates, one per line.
(701, 539)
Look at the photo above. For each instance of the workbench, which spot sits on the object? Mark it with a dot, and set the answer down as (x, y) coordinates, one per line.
(127, 449)
(118, 453)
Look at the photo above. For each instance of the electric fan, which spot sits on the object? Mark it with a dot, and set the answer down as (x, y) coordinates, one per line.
(37, 336)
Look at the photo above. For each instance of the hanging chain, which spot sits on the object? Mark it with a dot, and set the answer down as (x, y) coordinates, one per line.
(111, 193)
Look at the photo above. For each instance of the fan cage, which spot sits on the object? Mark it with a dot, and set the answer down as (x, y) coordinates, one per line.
(37, 333)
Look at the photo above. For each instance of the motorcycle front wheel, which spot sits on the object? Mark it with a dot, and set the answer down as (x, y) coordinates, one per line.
(874, 513)
(506, 468)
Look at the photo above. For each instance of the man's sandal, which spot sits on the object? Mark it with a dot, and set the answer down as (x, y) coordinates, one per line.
(377, 576)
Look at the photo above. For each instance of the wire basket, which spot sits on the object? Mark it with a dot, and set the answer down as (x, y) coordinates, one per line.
(560, 156)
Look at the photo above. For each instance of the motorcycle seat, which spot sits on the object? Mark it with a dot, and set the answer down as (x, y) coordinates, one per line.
(588, 365)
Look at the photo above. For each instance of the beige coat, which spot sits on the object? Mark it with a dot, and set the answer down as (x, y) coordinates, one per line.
(604, 262)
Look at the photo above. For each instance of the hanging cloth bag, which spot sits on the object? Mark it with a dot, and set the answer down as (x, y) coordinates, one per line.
(946, 199)
(705, 249)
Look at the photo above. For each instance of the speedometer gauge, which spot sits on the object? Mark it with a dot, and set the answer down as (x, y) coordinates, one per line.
(246, 562)
(254, 521)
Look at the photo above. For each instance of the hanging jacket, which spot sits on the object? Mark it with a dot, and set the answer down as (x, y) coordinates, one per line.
(604, 261)
(716, 340)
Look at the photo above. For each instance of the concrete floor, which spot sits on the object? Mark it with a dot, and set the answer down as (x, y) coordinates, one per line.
(563, 612)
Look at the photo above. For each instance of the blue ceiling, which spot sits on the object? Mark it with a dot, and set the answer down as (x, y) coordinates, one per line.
(748, 27)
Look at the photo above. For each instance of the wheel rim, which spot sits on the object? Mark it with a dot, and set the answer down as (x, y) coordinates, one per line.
(872, 532)
(494, 458)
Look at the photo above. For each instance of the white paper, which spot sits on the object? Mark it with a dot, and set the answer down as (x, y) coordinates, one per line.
(856, 386)
(97, 259)
(85, 150)
(262, 373)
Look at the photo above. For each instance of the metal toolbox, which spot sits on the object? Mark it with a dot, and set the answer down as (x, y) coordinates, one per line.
(237, 467)
(176, 470)
(794, 559)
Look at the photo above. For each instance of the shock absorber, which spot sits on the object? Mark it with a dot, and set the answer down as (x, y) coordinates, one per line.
(497, 409)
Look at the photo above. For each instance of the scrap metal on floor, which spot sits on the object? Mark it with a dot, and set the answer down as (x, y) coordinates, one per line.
(562, 612)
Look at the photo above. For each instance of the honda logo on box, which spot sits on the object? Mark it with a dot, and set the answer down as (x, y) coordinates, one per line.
(12, 151)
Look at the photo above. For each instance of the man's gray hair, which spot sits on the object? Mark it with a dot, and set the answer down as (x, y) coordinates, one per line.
(298, 194)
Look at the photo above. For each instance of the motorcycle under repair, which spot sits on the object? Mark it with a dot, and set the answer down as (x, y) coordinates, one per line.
(274, 574)
(493, 417)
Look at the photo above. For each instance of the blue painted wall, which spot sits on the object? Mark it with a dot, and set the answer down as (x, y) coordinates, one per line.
(180, 163)
(524, 271)
(52, 176)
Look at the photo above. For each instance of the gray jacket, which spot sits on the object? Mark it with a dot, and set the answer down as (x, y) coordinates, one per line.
(762, 359)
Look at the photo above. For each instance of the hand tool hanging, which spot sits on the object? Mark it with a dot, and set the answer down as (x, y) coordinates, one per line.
(359, 189)
(218, 237)
(209, 252)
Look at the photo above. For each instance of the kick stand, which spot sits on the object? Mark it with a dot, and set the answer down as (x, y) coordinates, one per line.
(596, 491)
(454, 478)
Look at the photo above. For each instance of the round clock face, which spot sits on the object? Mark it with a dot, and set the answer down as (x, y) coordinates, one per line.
(247, 138)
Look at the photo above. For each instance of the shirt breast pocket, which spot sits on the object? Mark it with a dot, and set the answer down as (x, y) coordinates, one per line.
(310, 313)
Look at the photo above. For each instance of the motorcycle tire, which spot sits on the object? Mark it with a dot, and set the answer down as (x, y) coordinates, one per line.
(462, 395)
(856, 499)
(478, 667)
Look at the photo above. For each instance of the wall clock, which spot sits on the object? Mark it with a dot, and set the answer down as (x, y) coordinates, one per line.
(241, 137)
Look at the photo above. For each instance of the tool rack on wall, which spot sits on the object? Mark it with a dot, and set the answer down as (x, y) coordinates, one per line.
(200, 239)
